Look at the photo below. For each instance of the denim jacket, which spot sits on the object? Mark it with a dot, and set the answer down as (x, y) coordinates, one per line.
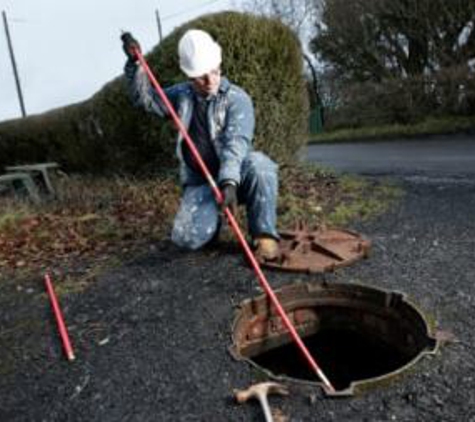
(230, 119)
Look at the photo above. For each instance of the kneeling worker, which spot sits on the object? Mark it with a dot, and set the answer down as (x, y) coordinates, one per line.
(219, 117)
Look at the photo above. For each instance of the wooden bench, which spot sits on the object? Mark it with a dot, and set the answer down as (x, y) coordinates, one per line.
(21, 184)
(39, 174)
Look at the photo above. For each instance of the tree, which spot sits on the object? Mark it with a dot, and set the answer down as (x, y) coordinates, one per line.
(299, 15)
(396, 61)
(378, 39)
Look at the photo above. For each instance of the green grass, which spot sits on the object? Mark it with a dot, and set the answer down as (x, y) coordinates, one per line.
(430, 126)
(314, 196)
(362, 201)
(11, 215)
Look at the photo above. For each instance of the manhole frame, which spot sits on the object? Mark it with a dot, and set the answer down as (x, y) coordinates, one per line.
(358, 386)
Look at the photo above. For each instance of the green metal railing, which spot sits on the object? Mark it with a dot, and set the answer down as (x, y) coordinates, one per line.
(316, 120)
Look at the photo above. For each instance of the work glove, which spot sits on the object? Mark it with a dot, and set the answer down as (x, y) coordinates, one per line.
(229, 191)
(129, 45)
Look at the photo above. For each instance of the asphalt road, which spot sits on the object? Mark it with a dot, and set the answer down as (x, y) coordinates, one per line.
(441, 156)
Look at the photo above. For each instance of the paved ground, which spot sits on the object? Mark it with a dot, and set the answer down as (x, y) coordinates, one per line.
(152, 336)
(436, 156)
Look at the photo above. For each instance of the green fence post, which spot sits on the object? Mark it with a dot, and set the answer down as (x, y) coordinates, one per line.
(316, 121)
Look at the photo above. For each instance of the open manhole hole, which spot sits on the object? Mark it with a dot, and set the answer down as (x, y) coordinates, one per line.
(360, 336)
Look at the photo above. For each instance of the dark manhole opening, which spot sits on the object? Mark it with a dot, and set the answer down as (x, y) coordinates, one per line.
(344, 356)
(358, 335)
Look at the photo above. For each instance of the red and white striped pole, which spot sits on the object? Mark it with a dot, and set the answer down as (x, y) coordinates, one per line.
(63, 331)
(235, 226)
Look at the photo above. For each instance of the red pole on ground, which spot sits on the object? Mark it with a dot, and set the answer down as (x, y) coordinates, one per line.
(235, 227)
(59, 319)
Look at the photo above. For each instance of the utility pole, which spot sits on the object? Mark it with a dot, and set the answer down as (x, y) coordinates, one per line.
(159, 23)
(15, 70)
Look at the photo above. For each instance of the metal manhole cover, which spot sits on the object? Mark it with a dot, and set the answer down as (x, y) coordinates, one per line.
(360, 336)
(319, 250)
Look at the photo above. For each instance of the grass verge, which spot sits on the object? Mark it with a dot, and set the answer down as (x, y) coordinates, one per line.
(93, 221)
(430, 126)
(96, 223)
(316, 196)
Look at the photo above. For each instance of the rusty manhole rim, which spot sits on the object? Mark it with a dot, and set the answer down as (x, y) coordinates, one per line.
(433, 337)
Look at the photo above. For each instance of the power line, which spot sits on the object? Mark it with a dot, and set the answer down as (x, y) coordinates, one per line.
(171, 16)
(18, 20)
(192, 9)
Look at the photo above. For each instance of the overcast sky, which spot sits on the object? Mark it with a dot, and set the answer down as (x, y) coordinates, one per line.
(67, 50)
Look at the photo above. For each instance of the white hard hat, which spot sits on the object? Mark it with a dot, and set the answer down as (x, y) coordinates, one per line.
(199, 53)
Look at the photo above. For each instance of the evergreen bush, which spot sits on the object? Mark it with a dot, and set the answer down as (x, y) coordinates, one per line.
(106, 134)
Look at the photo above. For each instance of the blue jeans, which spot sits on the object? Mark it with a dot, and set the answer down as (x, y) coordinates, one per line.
(198, 217)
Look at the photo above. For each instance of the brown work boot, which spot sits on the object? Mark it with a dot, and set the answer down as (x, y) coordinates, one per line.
(267, 248)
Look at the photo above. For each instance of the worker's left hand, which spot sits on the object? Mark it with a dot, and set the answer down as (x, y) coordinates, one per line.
(229, 191)
(130, 46)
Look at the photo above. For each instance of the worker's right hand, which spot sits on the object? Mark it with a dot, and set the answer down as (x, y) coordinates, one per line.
(130, 45)
(230, 199)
